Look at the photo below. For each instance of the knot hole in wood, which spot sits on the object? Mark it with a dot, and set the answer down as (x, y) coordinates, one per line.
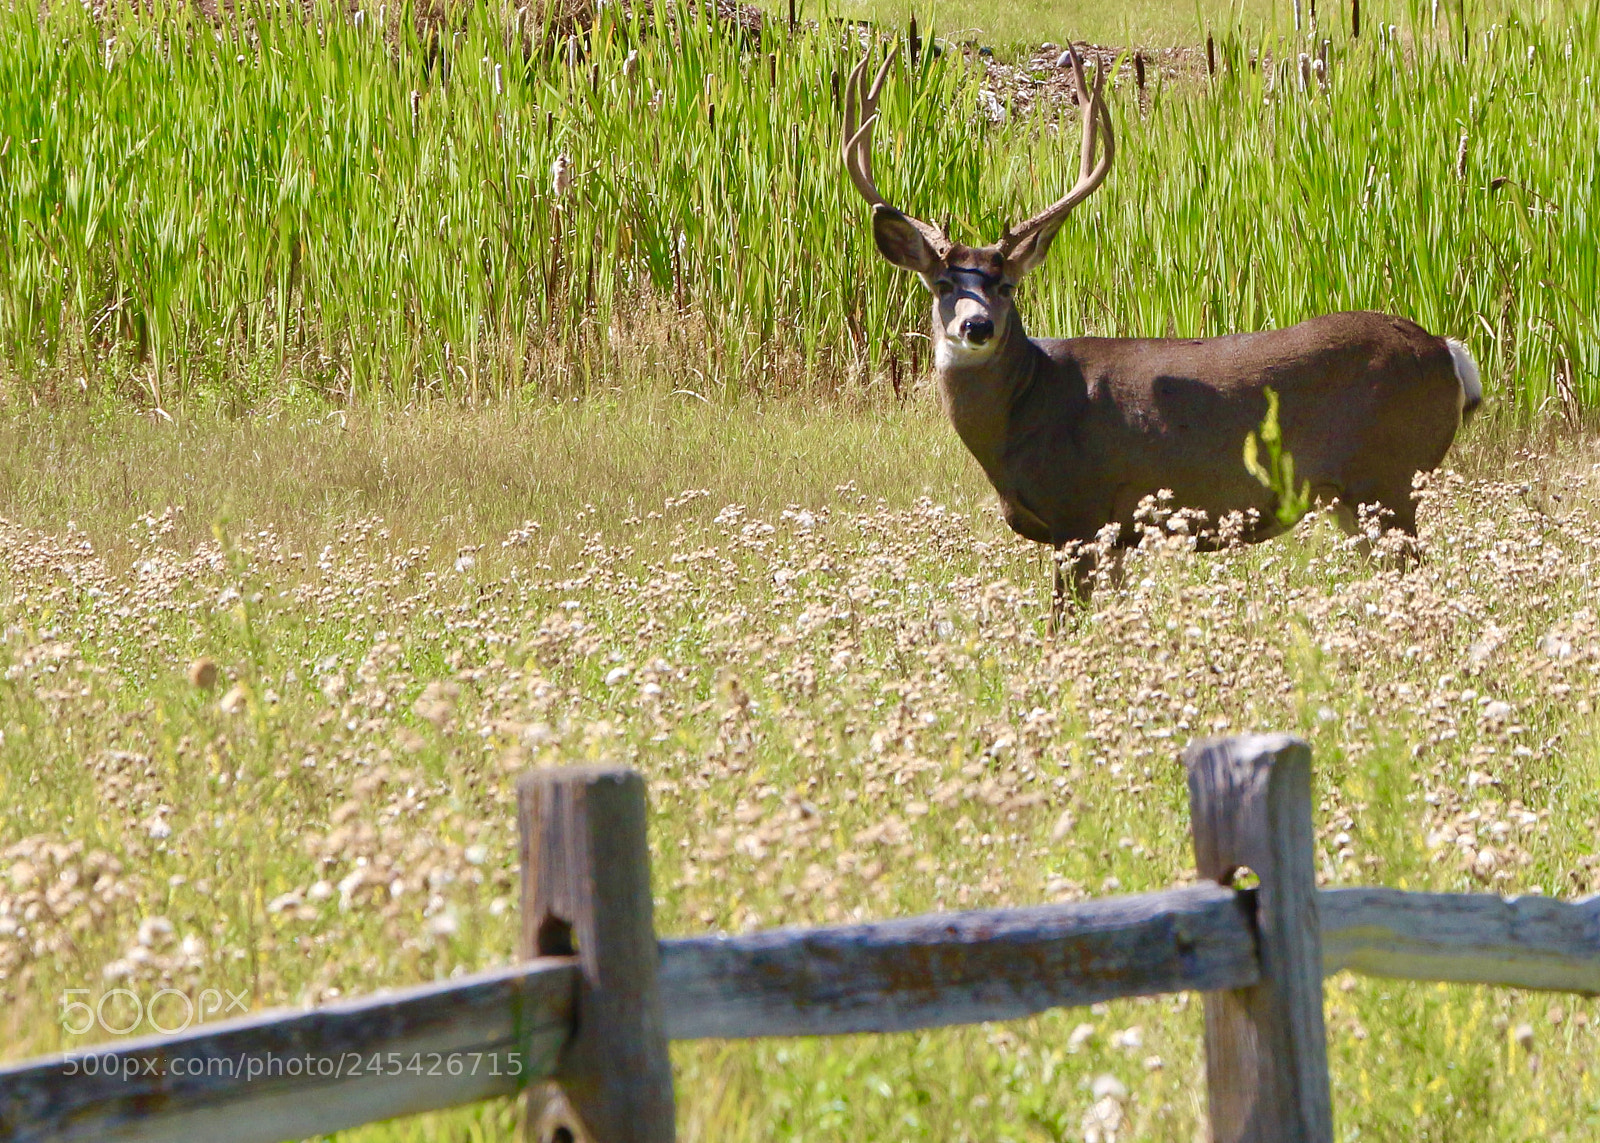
(555, 938)
(1240, 877)
(554, 1121)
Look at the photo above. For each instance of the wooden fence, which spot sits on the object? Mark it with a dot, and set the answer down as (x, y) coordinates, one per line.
(584, 1022)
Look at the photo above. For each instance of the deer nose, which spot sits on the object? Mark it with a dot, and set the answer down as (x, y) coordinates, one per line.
(977, 330)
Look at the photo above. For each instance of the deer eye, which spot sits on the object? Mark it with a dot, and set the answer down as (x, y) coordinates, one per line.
(943, 287)
(1005, 289)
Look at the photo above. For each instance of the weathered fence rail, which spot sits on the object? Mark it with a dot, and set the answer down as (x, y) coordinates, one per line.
(593, 1008)
(1466, 938)
(955, 968)
(286, 1075)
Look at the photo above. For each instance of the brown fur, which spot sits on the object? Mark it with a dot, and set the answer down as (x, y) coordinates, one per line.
(1073, 433)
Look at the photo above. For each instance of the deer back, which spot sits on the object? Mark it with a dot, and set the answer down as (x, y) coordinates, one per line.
(1366, 400)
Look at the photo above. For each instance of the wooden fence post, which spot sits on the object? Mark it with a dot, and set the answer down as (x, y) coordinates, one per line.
(1266, 1048)
(586, 892)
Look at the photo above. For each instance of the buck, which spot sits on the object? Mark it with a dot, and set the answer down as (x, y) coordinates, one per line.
(1075, 433)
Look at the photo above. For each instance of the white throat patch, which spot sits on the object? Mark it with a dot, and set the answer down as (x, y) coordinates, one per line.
(955, 352)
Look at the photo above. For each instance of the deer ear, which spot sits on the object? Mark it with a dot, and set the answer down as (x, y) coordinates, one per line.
(902, 243)
(1031, 252)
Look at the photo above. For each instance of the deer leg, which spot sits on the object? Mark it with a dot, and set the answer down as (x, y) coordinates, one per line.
(1345, 517)
(1058, 598)
(1116, 567)
(1399, 552)
(1074, 581)
(1403, 552)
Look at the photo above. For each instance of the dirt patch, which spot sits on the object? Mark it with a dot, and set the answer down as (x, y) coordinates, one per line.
(1046, 74)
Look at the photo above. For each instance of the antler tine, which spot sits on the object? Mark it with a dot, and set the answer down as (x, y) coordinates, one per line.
(860, 117)
(852, 124)
(1085, 107)
(1096, 130)
(869, 114)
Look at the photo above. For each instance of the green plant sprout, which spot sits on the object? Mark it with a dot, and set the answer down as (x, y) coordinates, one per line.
(1277, 474)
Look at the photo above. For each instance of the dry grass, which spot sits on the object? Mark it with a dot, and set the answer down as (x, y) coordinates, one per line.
(808, 629)
(1014, 27)
(446, 477)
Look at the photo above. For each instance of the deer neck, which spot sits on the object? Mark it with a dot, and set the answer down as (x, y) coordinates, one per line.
(978, 396)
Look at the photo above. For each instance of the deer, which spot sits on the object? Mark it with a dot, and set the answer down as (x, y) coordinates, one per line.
(1074, 434)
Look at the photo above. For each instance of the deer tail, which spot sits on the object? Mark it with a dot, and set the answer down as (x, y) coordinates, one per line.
(1467, 374)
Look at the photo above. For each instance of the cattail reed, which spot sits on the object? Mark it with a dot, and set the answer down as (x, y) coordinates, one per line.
(339, 237)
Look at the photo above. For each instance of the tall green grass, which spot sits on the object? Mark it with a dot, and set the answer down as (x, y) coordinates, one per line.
(243, 211)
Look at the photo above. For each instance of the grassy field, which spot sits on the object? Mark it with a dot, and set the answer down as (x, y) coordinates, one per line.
(338, 211)
(1157, 23)
(306, 371)
(807, 627)
(1006, 27)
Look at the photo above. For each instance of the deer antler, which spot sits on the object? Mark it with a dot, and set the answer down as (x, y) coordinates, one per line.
(860, 116)
(1041, 228)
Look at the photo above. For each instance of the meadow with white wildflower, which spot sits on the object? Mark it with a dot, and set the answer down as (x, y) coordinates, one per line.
(261, 734)
(392, 405)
